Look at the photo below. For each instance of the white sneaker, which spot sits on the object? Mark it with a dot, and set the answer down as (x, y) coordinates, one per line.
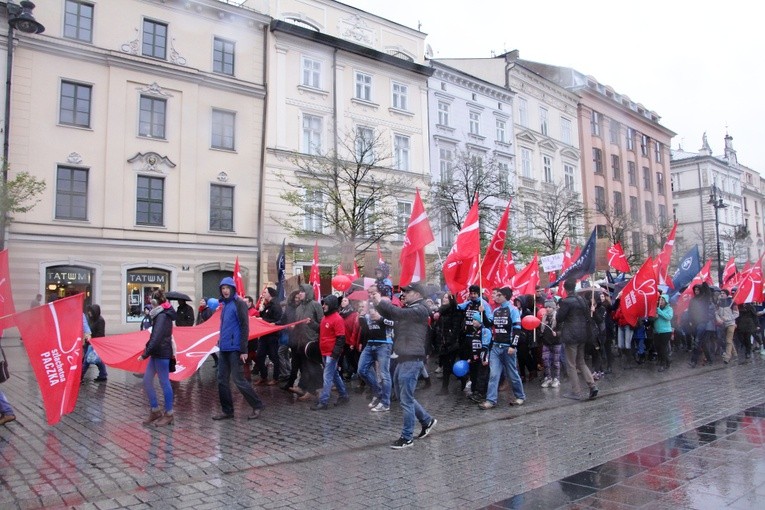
(439, 370)
(380, 408)
(555, 383)
(374, 402)
(547, 382)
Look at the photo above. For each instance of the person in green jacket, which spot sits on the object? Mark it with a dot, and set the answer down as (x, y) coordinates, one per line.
(662, 328)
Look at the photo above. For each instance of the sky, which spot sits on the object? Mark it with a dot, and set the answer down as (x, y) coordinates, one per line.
(697, 64)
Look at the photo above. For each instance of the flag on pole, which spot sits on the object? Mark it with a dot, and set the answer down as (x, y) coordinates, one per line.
(665, 257)
(729, 272)
(526, 281)
(640, 295)
(356, 274)
(7, 308)
(238, 279)
(689, 267)
(750, 284)
(492, 263)
(281, 278)
(315, 278)
(685, 298)
(582, 265)
(380, 259)
(418, 235)
(567, 260)
(52, 336)
(509, 268)
(461, 265)
(616, 258)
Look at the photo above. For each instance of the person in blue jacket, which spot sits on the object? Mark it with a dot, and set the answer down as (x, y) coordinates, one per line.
(662, 328)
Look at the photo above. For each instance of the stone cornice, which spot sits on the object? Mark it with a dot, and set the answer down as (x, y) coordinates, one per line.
(469, 82)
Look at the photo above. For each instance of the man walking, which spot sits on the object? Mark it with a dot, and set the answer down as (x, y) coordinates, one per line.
(377, 351)
(331, 343)
(234, 335)
(410, 332)
(268, 345)
(573, 330)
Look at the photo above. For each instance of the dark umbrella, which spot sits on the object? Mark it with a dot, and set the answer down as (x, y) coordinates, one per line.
(358, 295)
(174, 295)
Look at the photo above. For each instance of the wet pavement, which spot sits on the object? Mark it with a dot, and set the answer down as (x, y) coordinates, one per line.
(686, 438)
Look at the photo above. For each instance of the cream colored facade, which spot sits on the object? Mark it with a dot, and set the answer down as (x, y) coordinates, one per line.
(338, 43)
(109, 246)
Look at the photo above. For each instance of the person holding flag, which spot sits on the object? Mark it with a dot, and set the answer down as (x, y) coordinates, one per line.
(572, 323)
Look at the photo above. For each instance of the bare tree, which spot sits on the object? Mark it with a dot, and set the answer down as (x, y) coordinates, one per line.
(558, 215)
(737, 240)
(346, 195)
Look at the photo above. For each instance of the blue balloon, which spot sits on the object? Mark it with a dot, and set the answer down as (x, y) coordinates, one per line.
(212, 304)
(461, 368)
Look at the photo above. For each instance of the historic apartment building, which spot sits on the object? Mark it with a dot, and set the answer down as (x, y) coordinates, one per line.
(145, 120)
(697, 178)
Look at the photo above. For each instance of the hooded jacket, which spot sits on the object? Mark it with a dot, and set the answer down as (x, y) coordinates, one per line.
(332, 329)
(308, 309)
(96, 322)
(160, 344)
(572, 319)
(663, 321)
(234, 321)
(410, 328)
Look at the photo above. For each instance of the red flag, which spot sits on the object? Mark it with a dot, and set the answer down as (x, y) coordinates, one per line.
(665, 256)
(729, 272)
(750, 284)
(315, 278)
(52, 336)
(526, 281)
(640, 295)
(492, 263)
(461, 265)
(685, 298)
(356, 274)
(418, 235)
(567, 261)
(509, 268)
(616, 258)
(380, 259)
(7, 308)
(240, 291)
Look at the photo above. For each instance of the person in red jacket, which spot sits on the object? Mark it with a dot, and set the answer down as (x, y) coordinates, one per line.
(331, 343)
(349, 361)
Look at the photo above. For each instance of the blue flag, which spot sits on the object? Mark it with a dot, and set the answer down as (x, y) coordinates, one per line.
(582, 266)
(689, 267)
(281, 264)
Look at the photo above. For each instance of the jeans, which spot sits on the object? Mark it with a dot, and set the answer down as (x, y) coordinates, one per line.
(331, 375)
(160, 367)
(268, 346)
(380, 353)
(5, 406)
(230, 365)
(285, 367)
(701, 344)
(624, 337)
(500, 360)
(405, 377)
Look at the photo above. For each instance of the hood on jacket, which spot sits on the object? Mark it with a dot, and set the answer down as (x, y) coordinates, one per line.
(384, 269)
(665, 297)
(230, 282)
(308, 289)
(332, 304)
(291, 298)
(94, 311)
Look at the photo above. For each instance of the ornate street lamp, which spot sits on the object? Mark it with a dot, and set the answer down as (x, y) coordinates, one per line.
(717, 202)
(19, 18)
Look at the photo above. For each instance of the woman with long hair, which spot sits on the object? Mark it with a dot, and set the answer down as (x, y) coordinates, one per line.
(159, 352)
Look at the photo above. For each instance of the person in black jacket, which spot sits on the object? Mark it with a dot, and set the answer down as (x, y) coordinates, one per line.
(746, 326)
(159, 351)
(448, 327)
(184, 313)
(268, 345)
(573, 329)
(98, 330)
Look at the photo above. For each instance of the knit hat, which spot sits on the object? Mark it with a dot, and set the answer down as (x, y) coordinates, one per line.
(271, 291)
(550, 303)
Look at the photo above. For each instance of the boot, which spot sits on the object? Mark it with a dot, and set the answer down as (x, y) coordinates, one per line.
(154, 416)
(167, 419)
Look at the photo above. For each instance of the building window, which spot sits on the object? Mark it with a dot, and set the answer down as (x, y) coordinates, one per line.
(662, 214)
(618, 204)
(78, 21)
(314, 211)
(363, 86)
(401, 152)
(644, 145)
(367, 226)
(526, 169)
(657, 151)
(636, 248)
(646, 178)
(616, 167)
(600, 199)
(613, 131)
(503, 169)
(71, 193)
(311, 73)
(475, 123)
(634, 210)
(565, 130)
(595, 123)
(223, 129)
(150, 201)
(528, 216)
(404, 213)
(365, 145)
(152, 118)
(75, 102)
(501, 126)
(649, 211)
(630, 139)
(548, 170)
(400, 96)
(447, 230)
(651, 242)
(443, 113)
(568, 175)
(543, 121)
(154, 39)
(141, 284)
(523, 112)
(597, 159)
(660, 183)
(223, 56)
(445, 163)
(746, 205)
(311, 134)
(632, 173)
(222, 208)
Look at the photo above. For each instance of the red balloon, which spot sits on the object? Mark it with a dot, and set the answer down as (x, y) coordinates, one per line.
(341, 282)
(530, 322)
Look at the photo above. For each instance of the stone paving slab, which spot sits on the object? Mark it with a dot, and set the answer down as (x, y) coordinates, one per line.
(101, 457)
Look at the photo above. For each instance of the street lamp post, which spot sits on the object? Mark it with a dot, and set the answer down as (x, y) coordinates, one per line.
(717, 202)
(19, 18)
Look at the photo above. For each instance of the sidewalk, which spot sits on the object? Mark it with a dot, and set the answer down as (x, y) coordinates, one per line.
(101, 457)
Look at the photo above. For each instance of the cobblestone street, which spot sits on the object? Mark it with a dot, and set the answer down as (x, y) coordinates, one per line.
(100, 456)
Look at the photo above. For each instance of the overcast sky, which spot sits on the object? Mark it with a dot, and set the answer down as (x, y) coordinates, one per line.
(698, 64)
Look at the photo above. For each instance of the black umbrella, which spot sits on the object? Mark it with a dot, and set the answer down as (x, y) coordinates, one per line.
(174, 295)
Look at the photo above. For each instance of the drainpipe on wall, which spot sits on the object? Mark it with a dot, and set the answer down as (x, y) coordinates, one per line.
(701, 213)
(261, 193)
